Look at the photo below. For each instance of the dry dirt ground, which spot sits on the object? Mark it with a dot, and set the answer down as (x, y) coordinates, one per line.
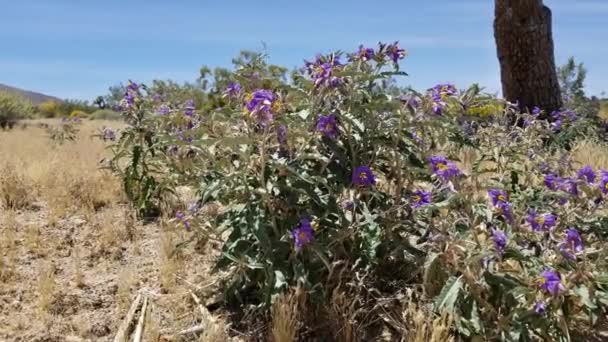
(72, 257)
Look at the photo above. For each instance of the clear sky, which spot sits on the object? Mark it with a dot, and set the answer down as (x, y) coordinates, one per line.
(78, 48)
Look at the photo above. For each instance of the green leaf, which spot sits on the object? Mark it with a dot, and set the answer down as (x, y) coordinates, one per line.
(449, 294)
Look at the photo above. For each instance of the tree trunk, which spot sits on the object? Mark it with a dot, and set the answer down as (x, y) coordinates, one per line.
(524, 41)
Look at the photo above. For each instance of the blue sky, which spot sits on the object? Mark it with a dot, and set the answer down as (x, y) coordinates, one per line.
(77, 49)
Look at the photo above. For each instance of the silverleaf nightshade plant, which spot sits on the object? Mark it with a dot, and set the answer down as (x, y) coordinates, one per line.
(326, 168)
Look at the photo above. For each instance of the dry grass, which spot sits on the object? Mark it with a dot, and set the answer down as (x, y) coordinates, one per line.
(422, 326)
(287, 313)
(46, 288)
(66, 177)
(587, 152)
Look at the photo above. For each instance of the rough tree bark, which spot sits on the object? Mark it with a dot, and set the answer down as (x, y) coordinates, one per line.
(524, 41)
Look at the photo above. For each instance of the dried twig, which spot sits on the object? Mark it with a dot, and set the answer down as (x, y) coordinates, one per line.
(121, 335)
(140, 323)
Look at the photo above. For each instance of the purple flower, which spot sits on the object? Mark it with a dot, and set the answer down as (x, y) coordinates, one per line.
(500, 240)
(108, 134)
(556, 125)
(189, 108)
(539, 308)
(504, 208)
(541, 222)
(303, 234)
(282, 134)
(328, 126)
(181, 217)
(395, 52)
(498, 196)
(412, 101)
(569, 185)
(420, 198)
(233, 89)
(552, 181)
(163, 109)
(260, 103)
(535, 110)
(322, 71)
(348, 205)
(550, 282)
(573, 243)
(444, 168)
(133, 86)
(365, 54)
(604, 181)
(363, 176)
(587, 174)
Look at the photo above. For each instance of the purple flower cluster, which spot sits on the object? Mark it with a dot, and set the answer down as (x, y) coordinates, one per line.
(558, 117)
(586, 173)
(181, 217)
(363, 176)
(189, 108)
(108, 134)
(364, 54)
(260, 104)
(444, 168)
(131, 94)
(500, 201)
(439, 94)
(573, 244)
(322, 71)
(550, 281)
(420, 198)
(233, 89)
(394, 52)
(328, 126)
(604, 181)
(163, 109)
(500, 240)
(565, 184)
(541, 222)
(303, 234)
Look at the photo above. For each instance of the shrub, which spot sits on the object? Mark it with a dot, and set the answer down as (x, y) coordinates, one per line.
(78, 114)
(105, 114)
(49, 109)
(328, 178)
(12, 109)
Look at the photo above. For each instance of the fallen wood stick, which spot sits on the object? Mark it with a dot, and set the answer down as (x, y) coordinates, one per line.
(140, 324)
(193, 330)
(121, 335)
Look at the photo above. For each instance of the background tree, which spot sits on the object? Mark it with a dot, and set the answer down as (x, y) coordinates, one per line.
(524, 42)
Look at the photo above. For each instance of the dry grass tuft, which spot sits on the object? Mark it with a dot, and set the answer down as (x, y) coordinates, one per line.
(46, 288)
(78, 275)
(216, 332)
(587, 152)
(15, 189)
(287, 313)
(168, 262)
(125, 281)
(342, 312)
(422, 326)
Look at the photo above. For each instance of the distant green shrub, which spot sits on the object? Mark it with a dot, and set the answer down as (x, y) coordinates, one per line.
(12, 109)
(105, 114)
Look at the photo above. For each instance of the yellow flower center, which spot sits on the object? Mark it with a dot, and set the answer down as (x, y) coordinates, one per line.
(302, 235)
(363, 176)
(417, 198)
(276, 106)
(501, 198)
(442, 166)
(248, 97)
(606, 186)
(540, 219)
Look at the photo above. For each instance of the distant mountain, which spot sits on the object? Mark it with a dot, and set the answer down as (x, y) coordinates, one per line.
(35, 98)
